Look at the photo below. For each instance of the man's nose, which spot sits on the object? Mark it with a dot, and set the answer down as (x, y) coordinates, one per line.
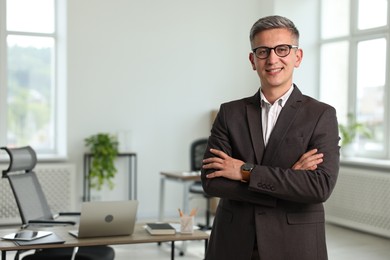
(272, 56)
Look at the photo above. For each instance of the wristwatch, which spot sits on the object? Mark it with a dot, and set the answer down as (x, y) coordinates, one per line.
(246, 170)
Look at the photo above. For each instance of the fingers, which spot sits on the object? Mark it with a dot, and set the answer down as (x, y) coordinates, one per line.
(311, 165)
(212, 160)
(213, 165)
(309, 160)
(219, 153)
(215, 162)
(214, 175)
(308, 154)
(223, 165)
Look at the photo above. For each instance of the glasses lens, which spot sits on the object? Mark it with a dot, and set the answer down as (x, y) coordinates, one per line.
(282, 50)
(262, 53)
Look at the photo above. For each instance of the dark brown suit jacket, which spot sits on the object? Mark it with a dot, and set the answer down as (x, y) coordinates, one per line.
(281, 209)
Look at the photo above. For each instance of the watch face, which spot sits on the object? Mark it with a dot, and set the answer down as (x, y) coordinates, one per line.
(247, 167)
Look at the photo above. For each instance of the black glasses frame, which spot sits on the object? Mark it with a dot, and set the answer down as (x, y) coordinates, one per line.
(268, 50)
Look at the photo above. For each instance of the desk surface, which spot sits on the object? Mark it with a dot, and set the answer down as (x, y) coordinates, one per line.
(140, 235)
(183, 175)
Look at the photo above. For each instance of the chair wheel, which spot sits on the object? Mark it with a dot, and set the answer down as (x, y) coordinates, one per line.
(181, 253)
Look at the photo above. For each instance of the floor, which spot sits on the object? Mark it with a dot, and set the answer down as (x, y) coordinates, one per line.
(343, 244)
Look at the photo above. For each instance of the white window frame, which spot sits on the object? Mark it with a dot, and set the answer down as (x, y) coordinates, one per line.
(60, 102)
(355, 36)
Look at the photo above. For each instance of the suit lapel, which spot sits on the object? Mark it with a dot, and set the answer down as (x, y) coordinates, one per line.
(255, 128)
(285, 119)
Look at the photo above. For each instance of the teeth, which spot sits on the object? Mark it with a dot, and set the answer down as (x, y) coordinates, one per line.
(274, 70)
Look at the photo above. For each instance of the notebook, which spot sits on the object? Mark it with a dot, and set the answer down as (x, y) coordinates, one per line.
(106, 218)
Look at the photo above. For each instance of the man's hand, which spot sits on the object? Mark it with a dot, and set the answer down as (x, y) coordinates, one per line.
(309, 161)
(224, 166)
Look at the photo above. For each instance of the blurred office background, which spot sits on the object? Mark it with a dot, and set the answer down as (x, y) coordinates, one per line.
(151, 72)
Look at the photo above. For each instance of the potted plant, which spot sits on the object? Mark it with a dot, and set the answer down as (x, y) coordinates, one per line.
(349, 132)
(104, 150)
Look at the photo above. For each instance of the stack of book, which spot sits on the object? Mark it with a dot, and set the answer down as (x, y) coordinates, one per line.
(160, 229)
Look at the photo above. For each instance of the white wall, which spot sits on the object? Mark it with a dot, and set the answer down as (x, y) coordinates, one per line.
(157, 68)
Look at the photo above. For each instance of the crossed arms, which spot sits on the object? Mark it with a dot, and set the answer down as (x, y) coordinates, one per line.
(228, 167)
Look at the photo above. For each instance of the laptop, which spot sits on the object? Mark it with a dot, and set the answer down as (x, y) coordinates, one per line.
(106, 218)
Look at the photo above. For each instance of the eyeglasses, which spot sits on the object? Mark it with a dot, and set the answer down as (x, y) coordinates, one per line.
(282, 50)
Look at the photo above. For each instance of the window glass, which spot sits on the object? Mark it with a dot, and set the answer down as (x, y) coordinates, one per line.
(372, 13)
(353, 70)
(334, 21)
(371, 76)
(334, 76)
(30, 91)
(30, 16)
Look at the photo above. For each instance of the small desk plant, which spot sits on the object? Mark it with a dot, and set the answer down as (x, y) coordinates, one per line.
(104, 148)
(349, 132)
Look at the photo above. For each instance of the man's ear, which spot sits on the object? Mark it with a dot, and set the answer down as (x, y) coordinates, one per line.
(251, 59)
(299, 57)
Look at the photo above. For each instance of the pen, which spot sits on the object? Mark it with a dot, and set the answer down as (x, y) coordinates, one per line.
(180, 212)
(193, 212)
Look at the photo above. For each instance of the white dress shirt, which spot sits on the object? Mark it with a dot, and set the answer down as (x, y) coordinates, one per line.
(270, 112)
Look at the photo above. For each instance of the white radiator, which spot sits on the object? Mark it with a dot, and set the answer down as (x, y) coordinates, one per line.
(361, 200)
(58, 183)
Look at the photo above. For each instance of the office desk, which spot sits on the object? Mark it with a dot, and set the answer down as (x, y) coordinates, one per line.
(139, 236)
(183, 177)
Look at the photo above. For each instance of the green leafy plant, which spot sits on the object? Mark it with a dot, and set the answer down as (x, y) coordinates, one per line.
(104, 150)
(353, 128)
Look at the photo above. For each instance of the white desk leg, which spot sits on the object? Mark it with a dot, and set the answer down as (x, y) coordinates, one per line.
(162, 200)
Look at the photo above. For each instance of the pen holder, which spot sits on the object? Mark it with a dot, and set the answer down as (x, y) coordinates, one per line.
(186, 224)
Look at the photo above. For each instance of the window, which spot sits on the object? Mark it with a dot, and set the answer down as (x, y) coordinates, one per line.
(353, 73)
(32, 76)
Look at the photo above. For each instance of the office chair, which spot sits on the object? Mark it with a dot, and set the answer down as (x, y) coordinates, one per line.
(34, 208)
(197, 150)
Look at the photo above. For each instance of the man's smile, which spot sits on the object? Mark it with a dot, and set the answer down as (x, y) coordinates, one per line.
(274, 70)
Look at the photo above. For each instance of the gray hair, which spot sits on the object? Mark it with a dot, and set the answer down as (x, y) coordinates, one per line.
(273, 22)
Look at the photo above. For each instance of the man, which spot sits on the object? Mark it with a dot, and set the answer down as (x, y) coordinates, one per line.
(272, 158)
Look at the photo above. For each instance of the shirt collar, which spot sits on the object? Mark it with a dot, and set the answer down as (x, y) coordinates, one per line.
(282, 100)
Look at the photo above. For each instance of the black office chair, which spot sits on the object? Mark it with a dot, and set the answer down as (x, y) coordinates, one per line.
(197, 150)
(34, 208)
